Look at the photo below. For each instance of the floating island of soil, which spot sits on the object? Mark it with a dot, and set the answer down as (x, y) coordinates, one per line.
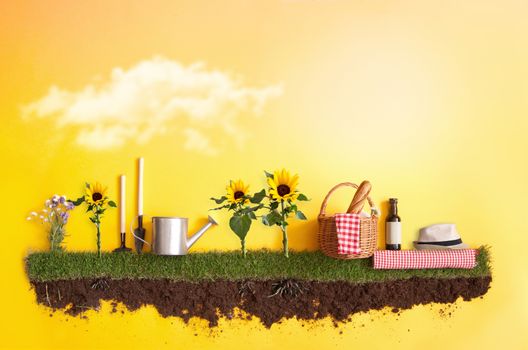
(307, 286)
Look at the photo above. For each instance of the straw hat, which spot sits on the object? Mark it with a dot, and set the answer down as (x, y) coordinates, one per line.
(440, 236)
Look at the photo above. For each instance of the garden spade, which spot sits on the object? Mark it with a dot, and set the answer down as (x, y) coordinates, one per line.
(139, 232)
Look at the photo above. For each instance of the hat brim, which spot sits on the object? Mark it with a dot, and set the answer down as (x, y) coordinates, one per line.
(423, 246)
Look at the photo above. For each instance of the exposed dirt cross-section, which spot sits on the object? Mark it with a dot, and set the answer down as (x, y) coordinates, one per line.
(210, 300)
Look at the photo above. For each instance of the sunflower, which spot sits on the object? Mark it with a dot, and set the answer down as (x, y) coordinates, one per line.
(95, 194)
(236, 191)
(283, 185)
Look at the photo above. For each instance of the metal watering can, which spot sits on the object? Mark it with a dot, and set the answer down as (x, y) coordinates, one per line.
(169, 235)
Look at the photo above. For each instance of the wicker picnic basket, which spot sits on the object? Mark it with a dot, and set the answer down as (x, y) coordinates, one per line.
(327, 235)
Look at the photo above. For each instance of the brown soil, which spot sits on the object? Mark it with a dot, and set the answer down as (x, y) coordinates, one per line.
(269, 300)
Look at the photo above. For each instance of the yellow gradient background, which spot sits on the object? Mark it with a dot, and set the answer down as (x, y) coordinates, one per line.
(428, 100)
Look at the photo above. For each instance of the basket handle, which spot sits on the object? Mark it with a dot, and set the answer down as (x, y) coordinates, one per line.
(322, 212)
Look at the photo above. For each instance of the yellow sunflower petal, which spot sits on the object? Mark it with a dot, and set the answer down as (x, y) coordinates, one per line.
(272, 183)
(280, 177)
(273, 193)
(286, 176)
(294, 181)
(276, 178)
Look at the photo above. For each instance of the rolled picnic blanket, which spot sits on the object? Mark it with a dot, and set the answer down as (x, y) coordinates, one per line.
(425, 259)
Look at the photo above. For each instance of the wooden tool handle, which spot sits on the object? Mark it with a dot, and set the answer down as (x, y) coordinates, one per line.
(359, 198)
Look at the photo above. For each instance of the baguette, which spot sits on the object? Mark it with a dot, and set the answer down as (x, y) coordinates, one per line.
(358, 202)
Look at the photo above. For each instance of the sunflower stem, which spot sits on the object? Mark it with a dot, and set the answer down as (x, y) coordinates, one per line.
(284, 233)
(285, 241)
(243, 243)
(98, 239)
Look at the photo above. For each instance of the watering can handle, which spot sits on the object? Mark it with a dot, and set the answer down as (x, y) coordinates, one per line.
(134, 235)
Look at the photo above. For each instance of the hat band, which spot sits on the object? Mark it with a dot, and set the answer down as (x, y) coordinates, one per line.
(443, 243)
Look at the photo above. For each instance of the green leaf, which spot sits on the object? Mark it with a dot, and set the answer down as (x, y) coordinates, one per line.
(222, 207)
(87, 185)
(273, 218)
(247, 210)
(274, 205)
(290, 208)
(78, 201)
(258, 197)
(270, 175)
(219, 200)
(112, 204)
(300, 215)
(240, 225)
(252, 215)
(92, 220)
(302, 197)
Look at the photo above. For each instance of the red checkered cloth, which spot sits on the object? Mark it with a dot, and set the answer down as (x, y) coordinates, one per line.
(347, 227)
(425, 259)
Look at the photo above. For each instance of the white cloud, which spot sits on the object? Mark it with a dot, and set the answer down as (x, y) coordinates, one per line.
(199, 142)
(154, 97)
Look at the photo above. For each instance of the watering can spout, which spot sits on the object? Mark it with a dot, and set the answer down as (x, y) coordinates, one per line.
(191, 240)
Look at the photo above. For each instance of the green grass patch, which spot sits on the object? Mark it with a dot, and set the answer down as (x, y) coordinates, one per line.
(262, 264)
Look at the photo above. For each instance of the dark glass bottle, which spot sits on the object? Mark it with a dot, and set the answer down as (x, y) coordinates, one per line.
(393, 227)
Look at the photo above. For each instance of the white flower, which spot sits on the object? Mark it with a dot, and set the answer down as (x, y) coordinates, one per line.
(48, 203)
(46, 220)
(44, 211)
(28, 218)
(34, 213)
(41, 217)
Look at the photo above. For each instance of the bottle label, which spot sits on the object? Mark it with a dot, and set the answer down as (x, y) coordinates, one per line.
(393, 232)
